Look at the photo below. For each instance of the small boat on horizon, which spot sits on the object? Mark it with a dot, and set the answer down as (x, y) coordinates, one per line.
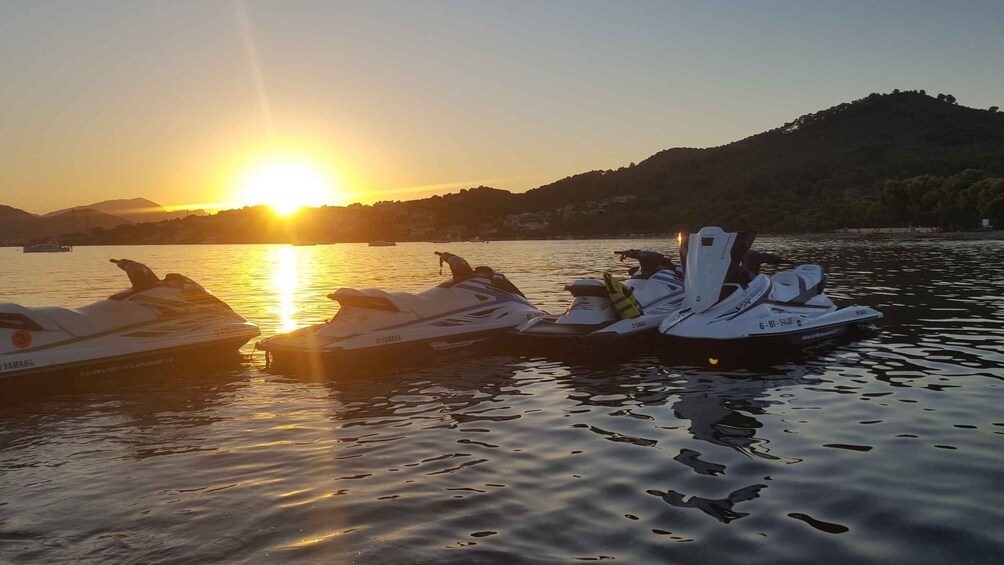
(382, 243)
(51, 247)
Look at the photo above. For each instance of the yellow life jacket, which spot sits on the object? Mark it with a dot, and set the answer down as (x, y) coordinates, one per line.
(622, 298)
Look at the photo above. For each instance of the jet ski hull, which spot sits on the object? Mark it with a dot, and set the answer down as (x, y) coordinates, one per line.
(800, 338)
(842, 325)
(287, 357)
(547, 336)
(37, 367)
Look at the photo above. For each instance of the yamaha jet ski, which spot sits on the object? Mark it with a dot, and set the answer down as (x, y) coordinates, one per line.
(468, 308)
(729, 302)
(156, 322)
(602, 311)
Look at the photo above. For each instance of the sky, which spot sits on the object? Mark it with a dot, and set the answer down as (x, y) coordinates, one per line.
(180, 101)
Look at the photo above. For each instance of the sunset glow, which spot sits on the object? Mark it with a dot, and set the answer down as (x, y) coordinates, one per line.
(287, 185)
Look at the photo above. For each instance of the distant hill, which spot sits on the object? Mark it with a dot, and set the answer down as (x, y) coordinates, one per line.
(17, 224)
(7, 213)
(135, 210)
(781, 179)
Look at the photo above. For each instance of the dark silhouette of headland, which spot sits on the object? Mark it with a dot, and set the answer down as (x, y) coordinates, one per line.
(900, 160)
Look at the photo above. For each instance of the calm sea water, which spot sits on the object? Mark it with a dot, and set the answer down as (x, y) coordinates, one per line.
(888, 450)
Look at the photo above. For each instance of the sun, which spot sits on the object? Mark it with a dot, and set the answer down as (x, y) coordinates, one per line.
(286, 185)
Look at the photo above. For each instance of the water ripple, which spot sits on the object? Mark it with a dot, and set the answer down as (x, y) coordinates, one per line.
(885, 450)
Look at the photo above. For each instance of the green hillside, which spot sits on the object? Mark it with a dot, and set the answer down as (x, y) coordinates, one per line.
(794, 177)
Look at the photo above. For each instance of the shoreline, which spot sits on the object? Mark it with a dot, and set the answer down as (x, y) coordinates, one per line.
(993, 235)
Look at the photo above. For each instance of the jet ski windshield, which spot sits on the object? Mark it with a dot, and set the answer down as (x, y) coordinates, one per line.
(713, 259)
(499, 280)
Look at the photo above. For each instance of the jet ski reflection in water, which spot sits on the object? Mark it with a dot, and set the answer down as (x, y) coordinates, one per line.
(156, 322)
(610, 310)
(470, 307)
(729, 302)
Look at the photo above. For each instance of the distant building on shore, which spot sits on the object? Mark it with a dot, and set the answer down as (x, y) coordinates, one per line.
(897, 231)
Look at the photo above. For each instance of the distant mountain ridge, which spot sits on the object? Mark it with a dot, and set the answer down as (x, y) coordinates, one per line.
(8, 212)
(898, 159)
(136, 210)
(17, 224)
(778, 180)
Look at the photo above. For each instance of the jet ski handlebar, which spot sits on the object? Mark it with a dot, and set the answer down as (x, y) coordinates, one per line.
(629, 254)
(141, 277)
(649, 262)
(459, 267)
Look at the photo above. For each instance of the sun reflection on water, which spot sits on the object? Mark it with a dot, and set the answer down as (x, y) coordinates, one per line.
(284, 282)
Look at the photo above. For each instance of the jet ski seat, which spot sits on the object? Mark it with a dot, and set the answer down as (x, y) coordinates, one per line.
(101, 316)
(798, 286)
(459, 278)
(71, 321)
(422, 304)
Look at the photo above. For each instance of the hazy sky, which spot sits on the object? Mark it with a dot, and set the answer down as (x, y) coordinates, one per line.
(173, 100)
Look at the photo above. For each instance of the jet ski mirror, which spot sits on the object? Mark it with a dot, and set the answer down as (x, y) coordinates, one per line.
(141, 277)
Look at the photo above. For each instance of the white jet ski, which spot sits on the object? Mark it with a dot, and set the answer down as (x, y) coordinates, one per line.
(593, 318)
(467, 309)
(154, 323)
(729, 302)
